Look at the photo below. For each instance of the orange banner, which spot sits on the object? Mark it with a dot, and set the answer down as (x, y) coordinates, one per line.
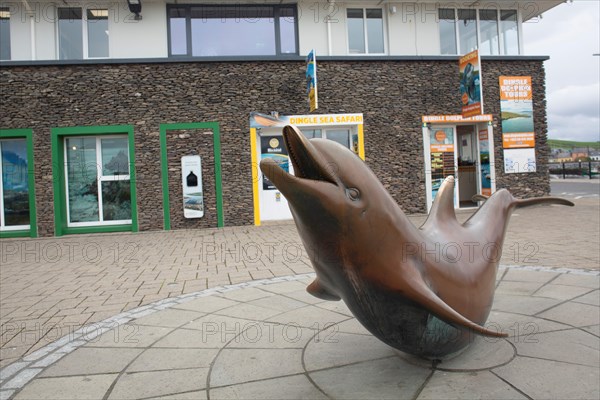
(518, 140)
(515, 88)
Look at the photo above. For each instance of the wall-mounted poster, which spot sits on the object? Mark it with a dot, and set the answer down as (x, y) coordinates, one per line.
(273, 147)
(193, 197)
(484, 160)
(516, 108)
(519, 160)
(470, 84)
(441, 146)
(311, 81)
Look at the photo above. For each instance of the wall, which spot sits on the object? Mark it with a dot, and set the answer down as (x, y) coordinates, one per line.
(392, 95)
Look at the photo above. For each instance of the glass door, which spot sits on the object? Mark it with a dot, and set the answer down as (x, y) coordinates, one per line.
(98, 183)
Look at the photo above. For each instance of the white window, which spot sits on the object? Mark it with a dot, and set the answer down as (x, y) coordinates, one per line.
(491, 31)
(365, 30)
(98, 185)
(76, 38)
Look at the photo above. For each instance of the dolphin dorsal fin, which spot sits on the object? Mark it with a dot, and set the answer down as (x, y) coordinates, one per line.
(442, 210)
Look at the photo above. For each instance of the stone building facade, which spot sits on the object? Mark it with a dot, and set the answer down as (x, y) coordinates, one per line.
(392, 93)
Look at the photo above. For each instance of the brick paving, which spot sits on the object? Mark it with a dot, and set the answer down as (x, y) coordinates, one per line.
(51, 287)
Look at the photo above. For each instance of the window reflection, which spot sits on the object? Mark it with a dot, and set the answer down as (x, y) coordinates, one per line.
(14, 183)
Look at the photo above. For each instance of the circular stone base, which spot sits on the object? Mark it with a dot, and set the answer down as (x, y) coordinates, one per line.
(484, 353)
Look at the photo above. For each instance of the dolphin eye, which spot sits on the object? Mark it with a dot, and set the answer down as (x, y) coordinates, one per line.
(353, 194)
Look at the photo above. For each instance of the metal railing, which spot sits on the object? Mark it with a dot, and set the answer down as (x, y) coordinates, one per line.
(576, 169)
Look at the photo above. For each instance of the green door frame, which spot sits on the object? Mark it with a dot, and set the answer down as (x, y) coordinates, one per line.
(27, 134)
(58, 163)
(214, 126)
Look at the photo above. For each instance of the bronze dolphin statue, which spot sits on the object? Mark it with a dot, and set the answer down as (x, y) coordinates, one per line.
(421, 290)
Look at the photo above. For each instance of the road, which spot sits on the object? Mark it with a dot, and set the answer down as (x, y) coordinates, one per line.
(575, 188)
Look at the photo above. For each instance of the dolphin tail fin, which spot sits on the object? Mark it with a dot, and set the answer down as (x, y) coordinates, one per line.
(419, 292)
(479, 197)
(519, 203)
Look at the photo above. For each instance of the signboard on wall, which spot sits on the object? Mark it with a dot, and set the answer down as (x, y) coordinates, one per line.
(193, 197)
(273, 147)
(470, 84)
(441, 146)
(519, 160)
(518, 135)
(311, 80)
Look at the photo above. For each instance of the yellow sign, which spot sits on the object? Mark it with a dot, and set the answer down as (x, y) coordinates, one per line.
(470, 84)
(516, 112)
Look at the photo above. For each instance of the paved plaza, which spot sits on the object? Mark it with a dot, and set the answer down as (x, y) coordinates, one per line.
(223, 313)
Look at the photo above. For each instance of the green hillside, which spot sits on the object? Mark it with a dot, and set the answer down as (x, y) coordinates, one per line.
(570, 144)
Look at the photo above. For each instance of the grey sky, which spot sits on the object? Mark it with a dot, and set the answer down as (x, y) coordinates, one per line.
(570, 34)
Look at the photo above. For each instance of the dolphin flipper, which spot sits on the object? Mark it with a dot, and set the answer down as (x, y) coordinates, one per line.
(414, 287)
(317, 290)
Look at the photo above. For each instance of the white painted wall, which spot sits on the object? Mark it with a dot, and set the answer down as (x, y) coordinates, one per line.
(410, 28)
(139, 39)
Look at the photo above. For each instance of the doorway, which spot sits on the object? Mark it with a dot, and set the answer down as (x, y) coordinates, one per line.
(467, 175)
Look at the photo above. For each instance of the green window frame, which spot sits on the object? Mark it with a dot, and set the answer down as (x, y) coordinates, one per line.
(26, 134)
(214, 126)
(58, 136)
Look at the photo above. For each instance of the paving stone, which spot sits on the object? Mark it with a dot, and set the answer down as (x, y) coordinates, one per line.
(353, 326)
(191, 338)
(333, 349)
(521, 326)
(336, 306)
(304, 296)
(246, 294)
(105, 361)
(291, 387)
(234, 366)
(248, 310)
(91, 387)
(278, 303)
(285, 287)
(464, 386)
(561, 292)
(195, 395)
(268, 335)
(592, 298)
(390, 378)
(575, 314)
(594, 330)
(161, 359)
(206, 304)
(130, 335)
(544, 379)
(528, 276)
(592, 282)
(522, 304)
(6, 394)
(170, 318)
(572, 346)
(518, 288)
(309, 317)
(12, 369)
(483, 353)
(153, 384)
